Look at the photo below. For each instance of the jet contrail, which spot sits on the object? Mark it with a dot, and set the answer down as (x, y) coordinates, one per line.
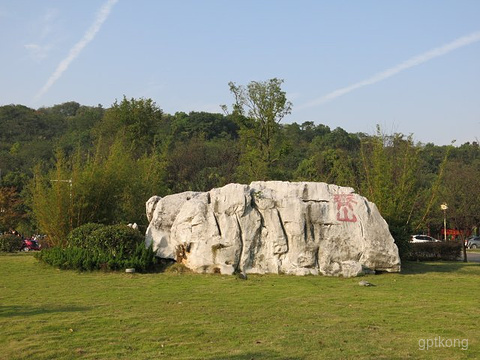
(102, 15)
(414, 61)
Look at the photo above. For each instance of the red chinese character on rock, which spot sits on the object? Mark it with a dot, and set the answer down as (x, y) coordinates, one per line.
(345, 207)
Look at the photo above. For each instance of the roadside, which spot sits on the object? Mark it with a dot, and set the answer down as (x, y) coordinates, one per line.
(473, 256)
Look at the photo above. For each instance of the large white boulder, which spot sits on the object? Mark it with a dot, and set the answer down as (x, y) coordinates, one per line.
(272, 227)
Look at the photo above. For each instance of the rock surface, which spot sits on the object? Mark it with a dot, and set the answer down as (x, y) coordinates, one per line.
(272, 227)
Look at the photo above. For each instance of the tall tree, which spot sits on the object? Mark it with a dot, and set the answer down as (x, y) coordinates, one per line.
(200, 165)
(52, 200)
(10, 208)
(259, 108)
(389, 179)
(136, 120)
(459, 191)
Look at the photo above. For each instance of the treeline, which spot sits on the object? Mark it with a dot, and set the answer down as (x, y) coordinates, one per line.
(68, 165)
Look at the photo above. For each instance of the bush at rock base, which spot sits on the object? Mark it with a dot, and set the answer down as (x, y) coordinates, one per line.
(79, 237)
(101, 247)
(115, 239)
(111, 238)
(74, 258)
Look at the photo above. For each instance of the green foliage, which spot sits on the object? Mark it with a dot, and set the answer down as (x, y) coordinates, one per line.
(79, 237)
(19, 123)
(459, 190)
(104, 188)
(201, 124)
(252, 166)
(201, 165)
(106, 238)
(10, 243)
(134, 120)
(52, 201)
(10, 208)
(334, 166)
(81, 259)
(259, 108)
(429, 251)
(390, 178)
(401, 232)
(114, 239)
(72, 164)
(79, 129)
(99, 247)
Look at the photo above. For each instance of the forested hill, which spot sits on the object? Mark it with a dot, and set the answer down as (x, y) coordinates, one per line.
(112, 160)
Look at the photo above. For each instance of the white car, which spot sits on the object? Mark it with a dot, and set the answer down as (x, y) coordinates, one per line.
(423, 239)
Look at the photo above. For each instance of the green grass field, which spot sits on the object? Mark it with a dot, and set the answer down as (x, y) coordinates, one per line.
(46, 313)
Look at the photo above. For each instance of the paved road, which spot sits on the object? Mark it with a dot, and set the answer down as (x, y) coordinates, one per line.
(473, 256)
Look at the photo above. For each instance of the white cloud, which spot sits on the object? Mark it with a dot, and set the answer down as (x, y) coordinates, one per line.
(75, 51)
(37, 51)
(47, 23)
(414, 61)
(43, 28)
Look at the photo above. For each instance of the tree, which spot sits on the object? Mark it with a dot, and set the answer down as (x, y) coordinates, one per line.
(460, 191)
(259, 108)
(66, 109)
(80, 128)
(389, 179)
(102, 188)
(136, 120)
(10, 208)
(200, 165)
(331, 157)
(52, 201)
(208, 125)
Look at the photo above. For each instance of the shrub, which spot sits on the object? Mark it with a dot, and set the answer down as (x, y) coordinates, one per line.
(79, 237)
(10, 243)
(450, 251)
(401, 234)
(100, 247)
(74, 258)
(116, 239)
(112, 238)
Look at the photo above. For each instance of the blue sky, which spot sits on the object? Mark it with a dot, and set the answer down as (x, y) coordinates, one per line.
(410, 66)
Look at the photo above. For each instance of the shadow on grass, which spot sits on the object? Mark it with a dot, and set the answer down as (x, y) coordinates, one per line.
(256, 355)
(18, 310)
(413, 267)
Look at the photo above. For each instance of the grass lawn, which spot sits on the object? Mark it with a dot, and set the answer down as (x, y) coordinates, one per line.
(46, 313)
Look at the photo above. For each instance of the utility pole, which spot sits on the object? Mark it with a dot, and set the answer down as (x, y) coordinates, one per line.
(444, 207)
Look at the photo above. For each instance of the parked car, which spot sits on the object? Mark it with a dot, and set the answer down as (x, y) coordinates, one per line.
(423, 239)
(473, 242)
(29, 245)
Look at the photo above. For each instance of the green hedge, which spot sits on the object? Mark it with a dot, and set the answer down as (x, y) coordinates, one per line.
(79, 237)
(142, 259)
(10, 243)
(112, 238)
(100, 247)
(115, 239)
(428, 251)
